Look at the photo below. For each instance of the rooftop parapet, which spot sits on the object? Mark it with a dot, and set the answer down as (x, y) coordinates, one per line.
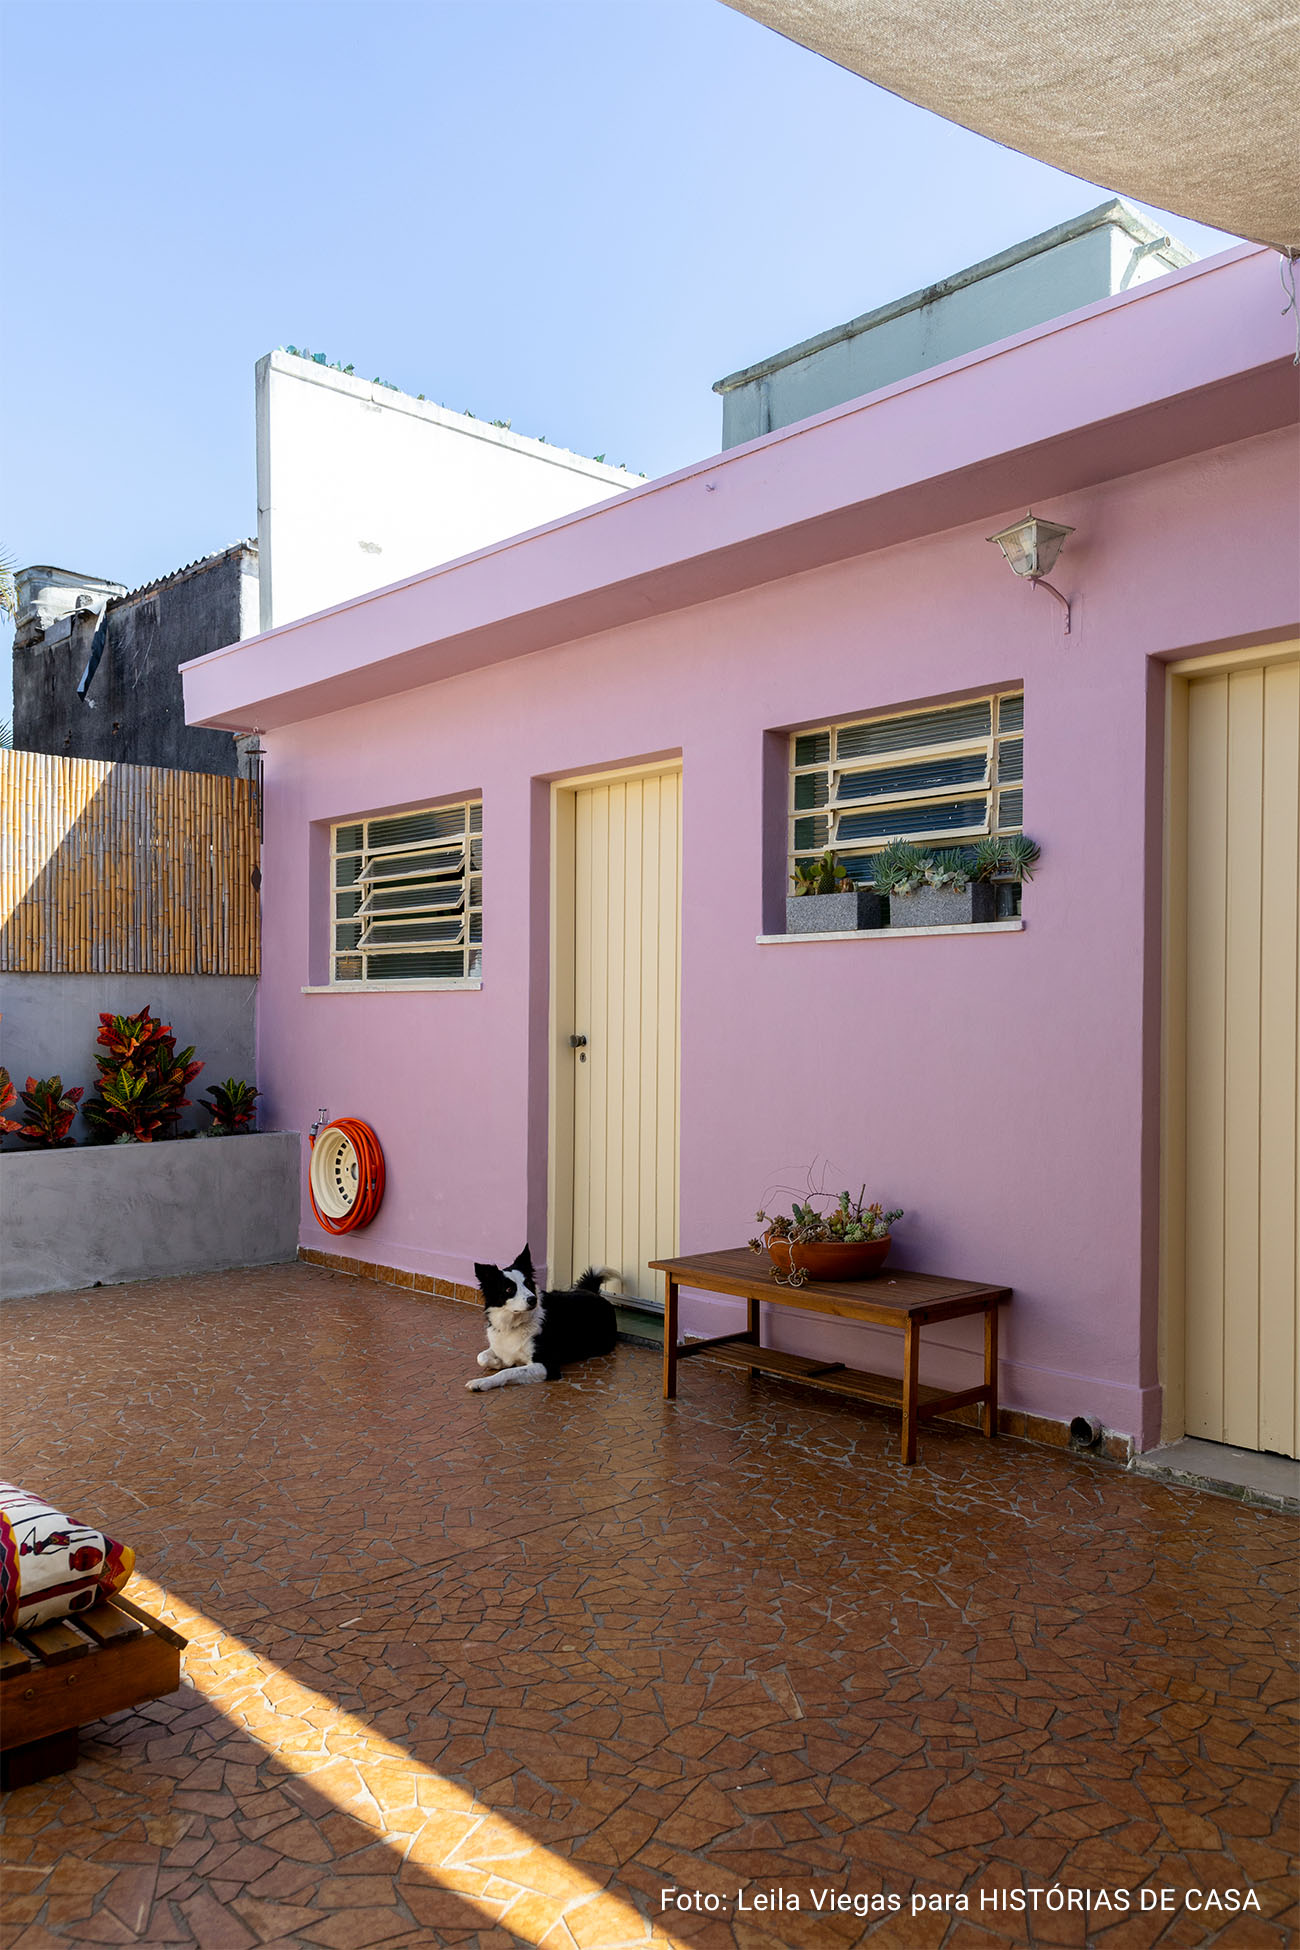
(1097, 255)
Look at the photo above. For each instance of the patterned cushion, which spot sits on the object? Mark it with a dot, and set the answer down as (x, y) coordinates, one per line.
(51, 1565)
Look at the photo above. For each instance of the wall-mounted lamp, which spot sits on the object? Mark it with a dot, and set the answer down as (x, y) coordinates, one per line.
(1031, 547)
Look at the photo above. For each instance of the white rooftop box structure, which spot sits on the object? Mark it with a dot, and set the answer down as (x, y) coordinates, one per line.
(1097, 255)
(360, 485)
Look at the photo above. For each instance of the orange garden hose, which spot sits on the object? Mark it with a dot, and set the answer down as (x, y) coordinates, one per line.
(348, 1175)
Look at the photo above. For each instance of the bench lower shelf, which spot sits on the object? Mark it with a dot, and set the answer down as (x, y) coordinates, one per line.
(835, 1377)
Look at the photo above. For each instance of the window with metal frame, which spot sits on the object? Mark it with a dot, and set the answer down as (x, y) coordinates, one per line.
(944, 777)
(408, 896)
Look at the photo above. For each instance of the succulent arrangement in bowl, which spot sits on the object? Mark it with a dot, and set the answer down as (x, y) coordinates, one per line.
(848, 1241)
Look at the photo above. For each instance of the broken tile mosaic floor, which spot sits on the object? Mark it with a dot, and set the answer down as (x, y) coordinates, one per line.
(497, 1670)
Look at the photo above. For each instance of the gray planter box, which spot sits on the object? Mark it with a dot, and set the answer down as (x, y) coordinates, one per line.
(113, 1212)
(943, 907)
(835, 913)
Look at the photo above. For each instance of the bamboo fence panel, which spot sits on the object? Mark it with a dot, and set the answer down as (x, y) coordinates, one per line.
(126, 869)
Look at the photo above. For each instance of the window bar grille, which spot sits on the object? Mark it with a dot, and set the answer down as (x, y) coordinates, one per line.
(857, 785)
(407, 893)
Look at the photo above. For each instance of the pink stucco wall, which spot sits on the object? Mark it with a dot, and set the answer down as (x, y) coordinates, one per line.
(1003, 1088)
(1000, 1088)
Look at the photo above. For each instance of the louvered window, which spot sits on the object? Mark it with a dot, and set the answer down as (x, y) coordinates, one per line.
(408, 896)
(941, 778)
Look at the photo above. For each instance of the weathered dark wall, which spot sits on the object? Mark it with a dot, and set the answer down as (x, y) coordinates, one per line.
(134, 710)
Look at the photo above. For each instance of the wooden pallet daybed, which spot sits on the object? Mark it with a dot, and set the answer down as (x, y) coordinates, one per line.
(55, 1679)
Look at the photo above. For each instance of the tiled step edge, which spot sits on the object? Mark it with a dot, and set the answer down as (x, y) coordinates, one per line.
(370, 1269)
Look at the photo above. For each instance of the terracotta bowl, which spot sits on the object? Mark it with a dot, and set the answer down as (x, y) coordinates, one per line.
(835, 1260)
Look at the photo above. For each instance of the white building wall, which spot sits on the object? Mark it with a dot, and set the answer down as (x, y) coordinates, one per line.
(359, 485)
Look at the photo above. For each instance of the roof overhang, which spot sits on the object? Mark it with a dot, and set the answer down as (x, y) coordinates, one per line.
(1190, 362)
(1188, 106)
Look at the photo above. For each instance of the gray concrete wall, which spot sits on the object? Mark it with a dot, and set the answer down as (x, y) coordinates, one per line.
(133, 709)
(117, 1212)
(48, 1026)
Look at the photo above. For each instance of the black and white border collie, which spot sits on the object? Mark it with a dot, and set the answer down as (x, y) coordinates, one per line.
(532, 1338)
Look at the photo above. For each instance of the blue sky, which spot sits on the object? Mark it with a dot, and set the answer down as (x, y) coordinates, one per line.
(575, 214)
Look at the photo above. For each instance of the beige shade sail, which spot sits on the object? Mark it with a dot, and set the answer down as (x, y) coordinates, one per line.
(1189, 105)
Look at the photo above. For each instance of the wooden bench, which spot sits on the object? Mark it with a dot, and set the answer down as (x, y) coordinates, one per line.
(907, 1301)
(56, 1678)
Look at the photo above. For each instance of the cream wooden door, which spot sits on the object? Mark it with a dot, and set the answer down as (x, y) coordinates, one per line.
(1242, 878)
(622, 841)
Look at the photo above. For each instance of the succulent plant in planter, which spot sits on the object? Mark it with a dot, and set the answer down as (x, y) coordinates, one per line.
(950, 886)
(1010, 858)
(1004, 864)
(899, 868)
(949, 869)
(986, 859)
(822, 876)
(825, 900)
(952, 895)
(1020, 856)
(930, 888)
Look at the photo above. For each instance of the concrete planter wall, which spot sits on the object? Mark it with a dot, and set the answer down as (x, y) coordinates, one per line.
(835, 913)
(944, 907)
(116, 1212)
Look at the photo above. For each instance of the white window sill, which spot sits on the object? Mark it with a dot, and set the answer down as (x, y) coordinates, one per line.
(394, 988)
(897, 934)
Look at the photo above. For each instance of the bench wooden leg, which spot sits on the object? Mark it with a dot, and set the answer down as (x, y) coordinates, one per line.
(670, 1337)
(752, 1325)
(911, 1369)
(989, 1411)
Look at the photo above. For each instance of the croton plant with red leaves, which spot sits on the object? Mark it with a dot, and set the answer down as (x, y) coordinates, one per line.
(8, 1095)
(50, 1111)
(142, 1079)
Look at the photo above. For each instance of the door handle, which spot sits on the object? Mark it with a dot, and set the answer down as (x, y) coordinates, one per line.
(577, 1042)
